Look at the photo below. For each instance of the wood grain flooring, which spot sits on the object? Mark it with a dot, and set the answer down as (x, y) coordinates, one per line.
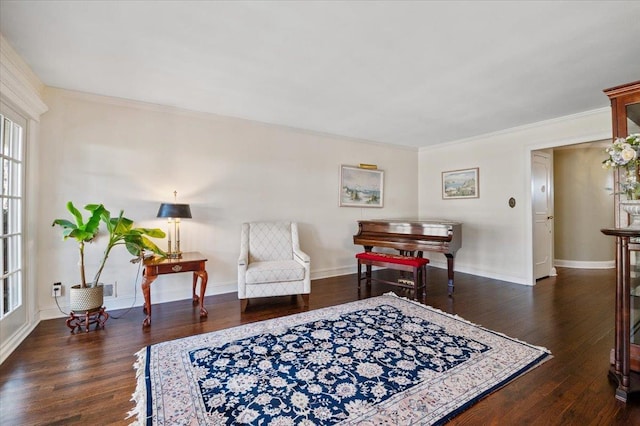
(58, 378)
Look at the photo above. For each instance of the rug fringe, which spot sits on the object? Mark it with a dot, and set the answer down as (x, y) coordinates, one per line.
(139, 395)
(459, 318)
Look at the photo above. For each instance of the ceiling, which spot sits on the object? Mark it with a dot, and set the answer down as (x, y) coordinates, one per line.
(407, 73)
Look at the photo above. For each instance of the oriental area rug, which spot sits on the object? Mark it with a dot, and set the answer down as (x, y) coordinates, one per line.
(384, 360)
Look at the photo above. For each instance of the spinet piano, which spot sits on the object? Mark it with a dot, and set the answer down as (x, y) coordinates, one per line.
(409, 235)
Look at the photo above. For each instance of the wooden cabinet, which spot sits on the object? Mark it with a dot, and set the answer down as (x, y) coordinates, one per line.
(625, 114)
(625, 361)
(625, 108)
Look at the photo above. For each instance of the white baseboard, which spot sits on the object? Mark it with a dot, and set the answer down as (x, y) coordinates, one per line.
(336, 272)
(478, 272)
(607, 264)
(125, 302)
(8, 346)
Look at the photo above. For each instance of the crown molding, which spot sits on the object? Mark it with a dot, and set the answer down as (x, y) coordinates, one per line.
(19, 86)
(539, 124)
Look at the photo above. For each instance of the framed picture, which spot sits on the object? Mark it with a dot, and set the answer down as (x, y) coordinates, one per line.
(461, 184)
(361, 187)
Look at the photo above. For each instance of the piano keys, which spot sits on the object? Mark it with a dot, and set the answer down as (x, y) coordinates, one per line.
(410, 235)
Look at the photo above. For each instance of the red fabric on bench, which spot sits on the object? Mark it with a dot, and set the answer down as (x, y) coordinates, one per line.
(393, 258)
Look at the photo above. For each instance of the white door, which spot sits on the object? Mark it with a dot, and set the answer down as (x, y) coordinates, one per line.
(542, 203)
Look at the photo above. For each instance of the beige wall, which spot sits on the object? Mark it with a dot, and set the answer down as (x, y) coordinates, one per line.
(498, 240)
(133, 156)
(583, 205)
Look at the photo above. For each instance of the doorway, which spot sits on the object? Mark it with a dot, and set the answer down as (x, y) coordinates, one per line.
(571, 200)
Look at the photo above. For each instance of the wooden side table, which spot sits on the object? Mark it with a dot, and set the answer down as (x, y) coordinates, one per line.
(189, 262)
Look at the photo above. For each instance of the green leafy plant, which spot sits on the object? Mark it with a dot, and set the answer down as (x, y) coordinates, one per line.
(120, 230)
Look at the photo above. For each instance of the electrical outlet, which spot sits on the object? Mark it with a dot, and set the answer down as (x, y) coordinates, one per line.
(107, 290)
(56, 290)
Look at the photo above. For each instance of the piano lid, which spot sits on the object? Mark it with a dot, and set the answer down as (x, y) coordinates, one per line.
(413, 220)
(434, 227)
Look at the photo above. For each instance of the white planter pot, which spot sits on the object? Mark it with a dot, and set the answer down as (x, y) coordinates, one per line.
(86, 299)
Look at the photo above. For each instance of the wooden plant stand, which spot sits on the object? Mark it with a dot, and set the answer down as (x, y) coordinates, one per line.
(97, 317)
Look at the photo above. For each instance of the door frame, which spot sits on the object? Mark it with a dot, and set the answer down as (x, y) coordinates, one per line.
(527, 160)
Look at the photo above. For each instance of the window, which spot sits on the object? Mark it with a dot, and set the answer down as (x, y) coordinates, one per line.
(11, 231)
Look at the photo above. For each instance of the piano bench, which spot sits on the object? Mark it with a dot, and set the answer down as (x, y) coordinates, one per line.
(416, 265)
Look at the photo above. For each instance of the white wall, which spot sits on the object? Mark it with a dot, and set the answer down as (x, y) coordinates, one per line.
(133, 156)
(497, 240)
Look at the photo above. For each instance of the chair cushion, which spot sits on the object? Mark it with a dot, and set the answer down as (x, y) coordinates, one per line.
(274, 271)
(270, 241)
(416, 262)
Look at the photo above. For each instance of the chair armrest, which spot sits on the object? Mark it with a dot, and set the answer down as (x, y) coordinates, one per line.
(243, 259)
(301, 256)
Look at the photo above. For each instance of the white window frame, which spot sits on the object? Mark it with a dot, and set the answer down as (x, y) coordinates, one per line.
(12, 201)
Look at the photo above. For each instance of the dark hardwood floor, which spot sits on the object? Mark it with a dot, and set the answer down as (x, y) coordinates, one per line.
(55, 377)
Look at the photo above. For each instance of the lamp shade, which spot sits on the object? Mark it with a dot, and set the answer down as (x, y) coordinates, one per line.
(179, 211)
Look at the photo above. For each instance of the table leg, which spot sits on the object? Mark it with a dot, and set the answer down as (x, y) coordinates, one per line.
(204, 277)
(146, 291)
(194, 296)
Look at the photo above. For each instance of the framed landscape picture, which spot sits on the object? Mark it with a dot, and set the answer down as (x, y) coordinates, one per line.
(461, 184)
(361, 187)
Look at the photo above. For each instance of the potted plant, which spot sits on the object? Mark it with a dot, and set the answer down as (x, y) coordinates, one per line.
(624, 155)
(87, 296)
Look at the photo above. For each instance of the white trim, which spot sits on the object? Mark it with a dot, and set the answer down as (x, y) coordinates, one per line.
(19, 86)
(531, 126)
(606, 264)
(21, 90)
(210, 116)
(12, 342)
(319, 274)
(113, 303)
(528, 209)
(479, 273)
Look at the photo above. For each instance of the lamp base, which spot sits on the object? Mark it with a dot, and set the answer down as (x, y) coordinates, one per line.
(175, 255)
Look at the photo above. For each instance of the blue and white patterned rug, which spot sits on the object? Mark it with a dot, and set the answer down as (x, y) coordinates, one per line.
(384, 360)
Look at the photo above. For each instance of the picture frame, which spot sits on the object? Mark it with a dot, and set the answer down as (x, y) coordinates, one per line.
(464, 183)
(361, 187)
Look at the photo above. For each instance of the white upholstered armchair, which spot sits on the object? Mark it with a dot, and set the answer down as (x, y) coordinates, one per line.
(271, 262)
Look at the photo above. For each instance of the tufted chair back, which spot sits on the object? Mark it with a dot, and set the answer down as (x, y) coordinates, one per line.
(270, 241)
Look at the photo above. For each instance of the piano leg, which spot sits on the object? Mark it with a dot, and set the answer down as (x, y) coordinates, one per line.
(450, 273)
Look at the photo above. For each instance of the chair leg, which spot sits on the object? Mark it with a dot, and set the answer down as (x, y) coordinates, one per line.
(359, 274)
(305, 300)
(243, 304)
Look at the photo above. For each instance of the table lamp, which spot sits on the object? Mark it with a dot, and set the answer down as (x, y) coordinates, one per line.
(174, 212)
